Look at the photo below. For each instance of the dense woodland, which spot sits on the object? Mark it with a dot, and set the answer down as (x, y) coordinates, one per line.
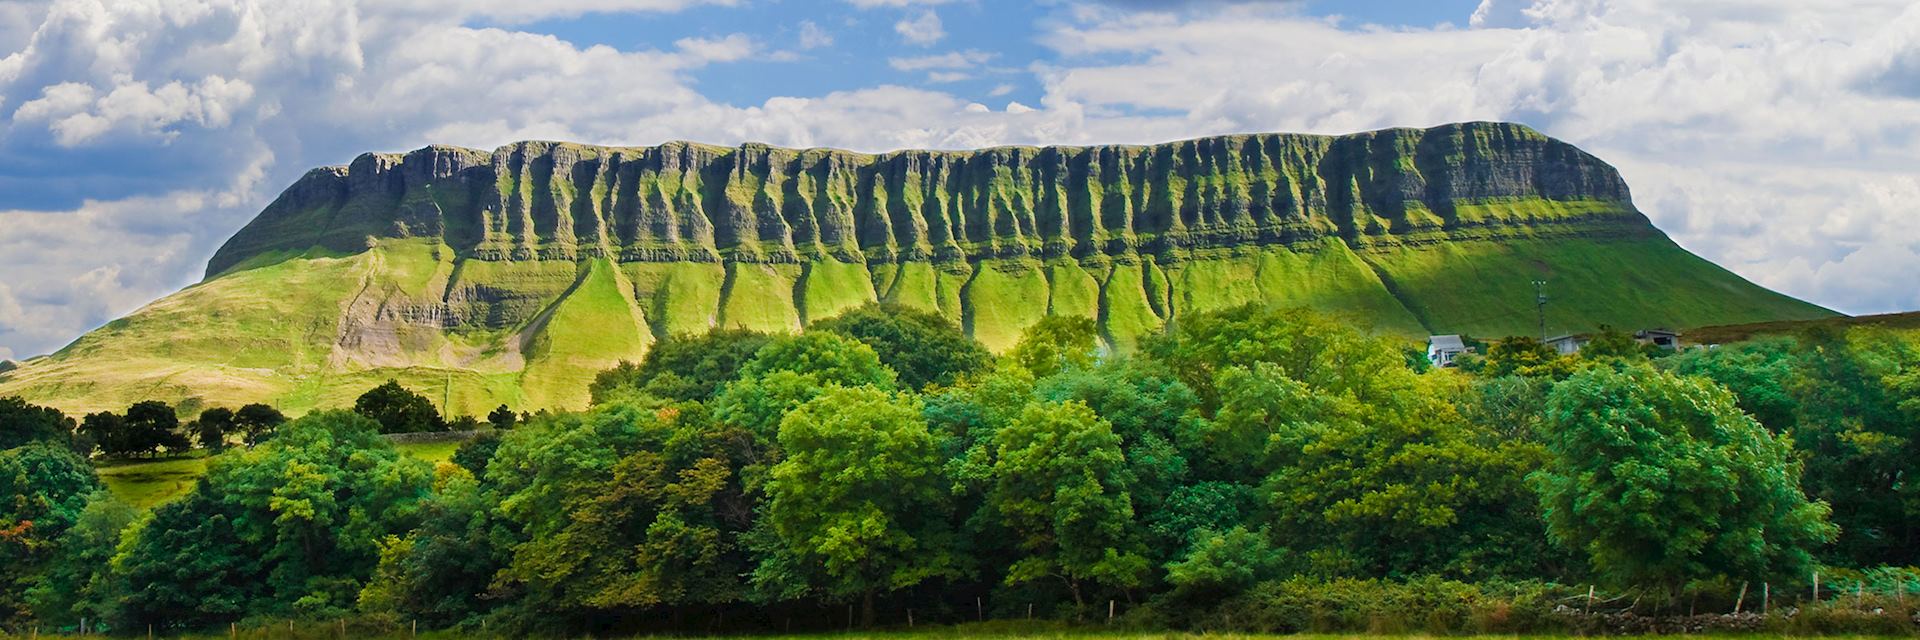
(1251, 468)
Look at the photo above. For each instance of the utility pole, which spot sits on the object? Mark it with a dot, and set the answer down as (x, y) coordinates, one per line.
(1540, 307)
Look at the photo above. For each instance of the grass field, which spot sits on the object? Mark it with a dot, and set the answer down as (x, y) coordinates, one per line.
(1726, 334)
(306, 631)
(146, 484)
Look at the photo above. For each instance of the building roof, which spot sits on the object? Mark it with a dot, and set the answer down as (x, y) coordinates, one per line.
(1452, 342)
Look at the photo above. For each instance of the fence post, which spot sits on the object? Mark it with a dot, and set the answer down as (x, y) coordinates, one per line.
(1742, 599)
(1766, 598)
(1109, 612)
(1816, 587)
(979, 609)
(233, 630)
(1029, 611)
(1858, 597)
(909, 618)
(1589, 600)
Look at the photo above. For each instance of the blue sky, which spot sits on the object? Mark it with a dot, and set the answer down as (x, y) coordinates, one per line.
(864, 40)
(1778, 138)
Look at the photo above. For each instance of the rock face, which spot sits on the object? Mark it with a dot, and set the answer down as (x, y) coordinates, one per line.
(684, 202)
(513, 276)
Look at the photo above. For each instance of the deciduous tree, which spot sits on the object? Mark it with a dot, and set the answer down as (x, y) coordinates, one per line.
(858, 506)
(1061, 485)
(399, 410)
(1661, 480)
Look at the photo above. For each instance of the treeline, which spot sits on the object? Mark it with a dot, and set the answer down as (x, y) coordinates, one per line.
(1251, 468)
(151, 427)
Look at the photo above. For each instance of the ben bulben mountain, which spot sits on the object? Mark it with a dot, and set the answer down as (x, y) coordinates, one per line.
(514, 275)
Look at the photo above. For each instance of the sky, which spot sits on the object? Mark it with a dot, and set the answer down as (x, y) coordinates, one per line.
(1778, 138)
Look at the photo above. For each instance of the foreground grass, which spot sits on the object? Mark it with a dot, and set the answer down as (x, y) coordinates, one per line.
(963, 632)
(146, 484)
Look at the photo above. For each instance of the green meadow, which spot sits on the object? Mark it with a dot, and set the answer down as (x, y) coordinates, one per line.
(145, 484)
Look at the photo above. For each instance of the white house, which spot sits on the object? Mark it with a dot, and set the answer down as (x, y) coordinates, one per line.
(1568, 344)
(1441, 350)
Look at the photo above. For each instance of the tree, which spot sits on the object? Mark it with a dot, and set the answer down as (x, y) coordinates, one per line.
(1223, 565)
(21, 423)
(1524, 356)
(683, 367)
(1394, 487)
(440, 571)
(858, 506)
(1661, 480)
(79, 581)
(502, 418)
(1061, 486)
(212, 428)
(1854, 419)
(473, 455)
(790, 371)
(43, 489)
(1158, 422)
(258, 422)
(1306, 346)
(1057, 343)
(1612, 344)
(399, 410)
(828, 358)
(290, 527)
(108, 431)
(1761, 373)
(923, 347)
(152, 425)
(1510, 406)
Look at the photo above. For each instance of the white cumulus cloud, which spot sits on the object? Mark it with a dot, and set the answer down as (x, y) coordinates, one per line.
(924, 30)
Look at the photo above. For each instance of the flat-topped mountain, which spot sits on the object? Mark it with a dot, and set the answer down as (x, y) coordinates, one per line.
(514, 275)
(689, 202)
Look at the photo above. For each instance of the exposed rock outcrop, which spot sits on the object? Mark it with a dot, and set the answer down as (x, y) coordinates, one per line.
(755, 203)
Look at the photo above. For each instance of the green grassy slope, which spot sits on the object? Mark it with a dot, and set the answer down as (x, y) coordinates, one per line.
(679, 298)
(592, 328)
(760, 297)
(1002, 300)
(310, 332)
(1904, 323)
(831, 287)
(1485, 288)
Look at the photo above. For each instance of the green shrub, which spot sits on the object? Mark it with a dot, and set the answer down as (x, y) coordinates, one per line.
(1421, 605)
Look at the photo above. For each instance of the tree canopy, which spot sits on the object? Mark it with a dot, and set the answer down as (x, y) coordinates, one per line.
(399, 410)
(1660, 480)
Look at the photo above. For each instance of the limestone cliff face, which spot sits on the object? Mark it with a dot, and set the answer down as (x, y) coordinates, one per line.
(514, 276)
(684, 202)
